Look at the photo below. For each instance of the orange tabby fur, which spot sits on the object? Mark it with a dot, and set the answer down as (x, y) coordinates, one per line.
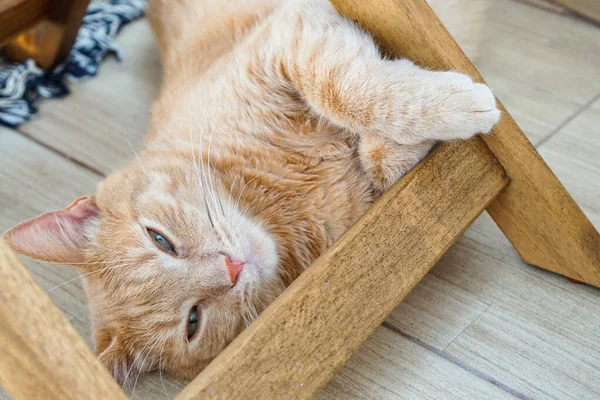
(277, 125)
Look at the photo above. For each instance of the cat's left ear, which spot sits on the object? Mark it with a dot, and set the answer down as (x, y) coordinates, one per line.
(58, 236)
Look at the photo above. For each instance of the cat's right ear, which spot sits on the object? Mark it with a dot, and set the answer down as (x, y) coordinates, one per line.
(58, 236)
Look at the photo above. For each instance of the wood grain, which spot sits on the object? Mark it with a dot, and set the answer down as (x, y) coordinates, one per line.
(42, 355)
(18, 15)
(50, 42)
(536, 213)
(299, 342)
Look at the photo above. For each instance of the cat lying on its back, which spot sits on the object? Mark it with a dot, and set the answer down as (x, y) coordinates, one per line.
(277, 125)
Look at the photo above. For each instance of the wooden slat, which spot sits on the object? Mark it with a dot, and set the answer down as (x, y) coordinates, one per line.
(310, 331)
(18, 15)
(42, 355)
(536, 213)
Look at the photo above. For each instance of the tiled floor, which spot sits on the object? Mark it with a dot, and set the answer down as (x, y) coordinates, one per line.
(482, 324)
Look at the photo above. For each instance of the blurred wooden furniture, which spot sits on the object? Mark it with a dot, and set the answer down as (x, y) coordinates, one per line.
(589, 9)
(43, 30)
(299, 342)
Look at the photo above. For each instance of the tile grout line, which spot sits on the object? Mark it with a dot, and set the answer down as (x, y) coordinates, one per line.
(560, 9)
(60, 153)
(552, 7)
(573, 13)
(468, 326)
(465, 367)
(576, 114)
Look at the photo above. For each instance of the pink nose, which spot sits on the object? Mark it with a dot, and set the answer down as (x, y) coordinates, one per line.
(234, 268)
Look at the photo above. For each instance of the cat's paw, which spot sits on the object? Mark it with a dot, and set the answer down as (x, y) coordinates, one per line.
(459, 107)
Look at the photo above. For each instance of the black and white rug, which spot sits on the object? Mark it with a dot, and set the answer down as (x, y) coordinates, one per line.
(22, 85)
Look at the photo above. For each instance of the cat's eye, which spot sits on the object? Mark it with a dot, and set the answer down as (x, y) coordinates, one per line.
(161, 241)
(193, 322)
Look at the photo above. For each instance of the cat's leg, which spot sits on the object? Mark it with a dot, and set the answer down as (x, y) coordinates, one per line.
(340, 73)
(385, 161)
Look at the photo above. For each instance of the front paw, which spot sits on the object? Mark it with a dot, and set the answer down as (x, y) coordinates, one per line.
(460, 108)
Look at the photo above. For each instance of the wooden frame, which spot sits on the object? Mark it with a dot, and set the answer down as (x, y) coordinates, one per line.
(43, 30)
(310, 331)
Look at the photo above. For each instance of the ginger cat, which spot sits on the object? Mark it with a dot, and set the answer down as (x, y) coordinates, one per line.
(277, 125)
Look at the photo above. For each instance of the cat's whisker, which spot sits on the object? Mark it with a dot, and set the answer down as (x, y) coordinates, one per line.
(84, 275)
(244, 213)
(162, 382)
(199, 177)
(84, 263)
(208, 213)
(210, 184)
(200, 180)
(131, 367)
(204, 175)
(192, 146)
(149, 342)
(237, 204)
(229, 199)
(155, 342)
(138, 159)
(212, 177)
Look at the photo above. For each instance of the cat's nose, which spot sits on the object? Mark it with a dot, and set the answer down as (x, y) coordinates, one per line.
(234, 268)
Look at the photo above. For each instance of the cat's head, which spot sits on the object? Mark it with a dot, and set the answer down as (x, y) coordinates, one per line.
(174, 267)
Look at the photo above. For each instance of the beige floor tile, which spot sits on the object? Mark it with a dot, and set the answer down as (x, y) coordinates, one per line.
(529, 354)
(437, 311)
(574, 156)
(388, 366)
(543, 66)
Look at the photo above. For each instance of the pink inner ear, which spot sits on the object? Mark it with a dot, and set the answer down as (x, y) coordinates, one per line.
(82, 207)
(57, 236)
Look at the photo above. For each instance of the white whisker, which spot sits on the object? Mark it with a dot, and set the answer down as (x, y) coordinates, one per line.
(237, 204)
(138, 159)
(244, 214)
(212, 176)
(87, 274)
(155, 342)
(205, 179)
(200, 181)
(135, 360)
(231, 191)
(162, 382)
